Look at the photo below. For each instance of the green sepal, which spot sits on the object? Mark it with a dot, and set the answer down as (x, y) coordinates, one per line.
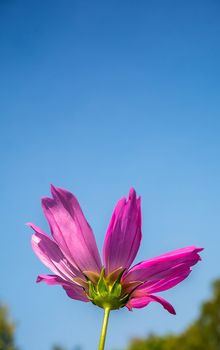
(116, 290)
(124, 299)
(102, 287)
(92, 291)
(116, 287)
(114, 274)
(119, 276)
(107, 293)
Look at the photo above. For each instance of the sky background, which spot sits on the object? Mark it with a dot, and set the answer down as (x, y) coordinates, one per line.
(96, 97)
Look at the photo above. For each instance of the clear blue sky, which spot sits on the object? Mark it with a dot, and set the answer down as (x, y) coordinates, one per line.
(98, 96)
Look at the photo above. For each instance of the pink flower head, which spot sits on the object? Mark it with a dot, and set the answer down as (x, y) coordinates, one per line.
(72, 256)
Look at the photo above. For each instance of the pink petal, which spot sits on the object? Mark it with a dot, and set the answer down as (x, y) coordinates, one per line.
(164, 271)
(123, 236)
(71, 231)
(141, 302)
(73, 291)
(165, 283)
(50, 254)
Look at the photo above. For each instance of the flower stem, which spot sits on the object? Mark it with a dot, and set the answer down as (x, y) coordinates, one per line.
(104, 329)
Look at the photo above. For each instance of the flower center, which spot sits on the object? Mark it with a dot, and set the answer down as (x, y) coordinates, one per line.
(106, 293)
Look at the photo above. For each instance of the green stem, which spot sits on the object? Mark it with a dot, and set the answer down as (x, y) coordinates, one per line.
(104, 329)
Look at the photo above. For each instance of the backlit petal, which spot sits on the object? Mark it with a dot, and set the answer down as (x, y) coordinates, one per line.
(50, 254)
(73, 291)
(165, 283)
(123, 236)
(71, 231)
(145, 300)
(163, 269)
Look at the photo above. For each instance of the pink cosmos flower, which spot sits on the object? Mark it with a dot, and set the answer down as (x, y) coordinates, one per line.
(72, 256)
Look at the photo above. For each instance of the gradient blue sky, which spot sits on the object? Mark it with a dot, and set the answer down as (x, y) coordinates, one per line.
(98, 96)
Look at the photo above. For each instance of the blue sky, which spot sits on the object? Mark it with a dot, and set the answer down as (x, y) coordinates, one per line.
(96, 97)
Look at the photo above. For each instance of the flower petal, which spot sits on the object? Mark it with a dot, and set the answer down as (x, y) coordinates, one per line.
(165, 283)
(73, 291)
(141, 302)
(123, 236)
(50, 254)
(164, 271)
(71, 231)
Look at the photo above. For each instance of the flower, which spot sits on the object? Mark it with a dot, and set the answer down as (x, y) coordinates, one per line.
(72, 255)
